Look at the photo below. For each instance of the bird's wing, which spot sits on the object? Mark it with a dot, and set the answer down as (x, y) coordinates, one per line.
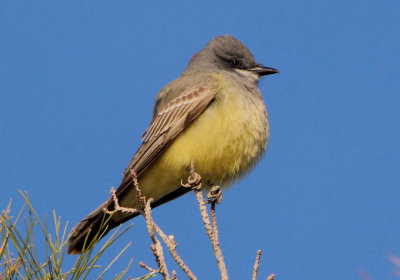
(166, 125)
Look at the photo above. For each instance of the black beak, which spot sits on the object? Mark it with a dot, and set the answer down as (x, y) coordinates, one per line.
(262, 70)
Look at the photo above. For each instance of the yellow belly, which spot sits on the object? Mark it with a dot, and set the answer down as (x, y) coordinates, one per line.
(224, 142)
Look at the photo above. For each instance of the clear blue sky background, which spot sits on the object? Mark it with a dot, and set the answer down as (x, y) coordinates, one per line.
(77, 85)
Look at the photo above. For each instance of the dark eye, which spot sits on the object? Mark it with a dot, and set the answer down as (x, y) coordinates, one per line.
(235, 62)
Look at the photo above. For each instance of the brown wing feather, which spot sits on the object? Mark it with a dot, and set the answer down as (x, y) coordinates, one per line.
(167, 124)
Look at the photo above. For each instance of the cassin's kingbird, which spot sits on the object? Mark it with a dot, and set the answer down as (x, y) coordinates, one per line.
(212, 114)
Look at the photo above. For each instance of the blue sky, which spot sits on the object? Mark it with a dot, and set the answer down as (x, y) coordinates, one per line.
(77, 85)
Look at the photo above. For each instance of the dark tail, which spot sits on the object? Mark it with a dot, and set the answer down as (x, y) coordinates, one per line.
(79, 236)
(90, 230)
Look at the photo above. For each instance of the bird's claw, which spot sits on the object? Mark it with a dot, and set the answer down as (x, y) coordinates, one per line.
(214, 195)
(194, 182)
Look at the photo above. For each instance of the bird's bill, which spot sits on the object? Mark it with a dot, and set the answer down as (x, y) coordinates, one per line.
(263, 70)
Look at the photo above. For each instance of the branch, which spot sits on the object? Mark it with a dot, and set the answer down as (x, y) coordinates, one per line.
(171, 245)
(256, 265)
(156, 246)
(194, 182)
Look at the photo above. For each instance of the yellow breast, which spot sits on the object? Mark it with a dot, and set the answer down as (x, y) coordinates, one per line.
(224, 142)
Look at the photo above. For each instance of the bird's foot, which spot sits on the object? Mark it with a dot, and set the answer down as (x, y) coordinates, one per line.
(194, 182)
(214, 195)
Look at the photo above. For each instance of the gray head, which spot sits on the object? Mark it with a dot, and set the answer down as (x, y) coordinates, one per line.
(228, 54)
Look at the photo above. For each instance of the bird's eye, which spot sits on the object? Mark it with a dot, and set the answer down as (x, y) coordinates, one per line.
(235, 62)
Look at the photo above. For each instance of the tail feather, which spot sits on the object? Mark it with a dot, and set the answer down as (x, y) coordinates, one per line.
(93, 227)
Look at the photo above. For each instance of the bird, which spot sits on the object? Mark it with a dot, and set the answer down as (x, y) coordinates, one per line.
(213, 115)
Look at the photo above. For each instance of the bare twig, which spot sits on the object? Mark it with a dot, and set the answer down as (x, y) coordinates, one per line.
(216, 244)
(271, 277)
(156, 246)
(139, 194)
(171, 245)
(174, 277)
(118, 207)
(256, 265)
(194, 182)
(215, 197)
(145, 266)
